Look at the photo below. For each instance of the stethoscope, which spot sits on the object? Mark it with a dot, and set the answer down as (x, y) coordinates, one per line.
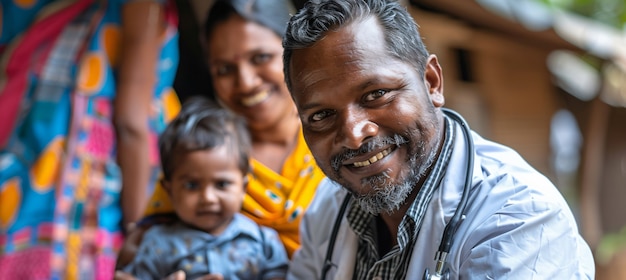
(441, 271)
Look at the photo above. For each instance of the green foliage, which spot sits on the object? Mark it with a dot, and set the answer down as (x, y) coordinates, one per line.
(611, 12)
(611, 244)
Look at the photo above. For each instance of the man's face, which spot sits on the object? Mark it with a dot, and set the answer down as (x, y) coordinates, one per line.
(371, 121)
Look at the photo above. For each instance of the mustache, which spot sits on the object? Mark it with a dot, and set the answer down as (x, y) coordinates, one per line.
(376, 143)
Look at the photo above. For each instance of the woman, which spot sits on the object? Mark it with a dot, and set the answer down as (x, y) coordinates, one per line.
(84, 91)
(244, 48)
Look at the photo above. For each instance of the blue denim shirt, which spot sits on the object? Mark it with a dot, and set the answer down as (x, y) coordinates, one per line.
(244, 250)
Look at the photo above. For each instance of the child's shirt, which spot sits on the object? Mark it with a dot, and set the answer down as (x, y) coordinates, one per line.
(244, 250)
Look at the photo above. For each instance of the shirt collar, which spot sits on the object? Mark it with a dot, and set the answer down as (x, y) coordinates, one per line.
(419, 207)
(240, 225)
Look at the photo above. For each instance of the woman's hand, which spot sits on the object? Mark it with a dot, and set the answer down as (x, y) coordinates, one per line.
(130, 247)
(120, 275)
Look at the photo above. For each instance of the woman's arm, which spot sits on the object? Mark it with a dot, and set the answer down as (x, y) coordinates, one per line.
(142, 26)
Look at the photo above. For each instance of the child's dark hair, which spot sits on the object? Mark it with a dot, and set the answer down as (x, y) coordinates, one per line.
(203, 125)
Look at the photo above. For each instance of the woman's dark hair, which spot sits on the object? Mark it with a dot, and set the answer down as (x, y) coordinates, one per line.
(202, 125)
(318, 17)
(273, 14)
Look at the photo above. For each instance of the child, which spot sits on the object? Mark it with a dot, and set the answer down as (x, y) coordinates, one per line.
(204, 156)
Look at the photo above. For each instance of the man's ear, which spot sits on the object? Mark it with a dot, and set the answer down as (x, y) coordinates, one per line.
(433, 79)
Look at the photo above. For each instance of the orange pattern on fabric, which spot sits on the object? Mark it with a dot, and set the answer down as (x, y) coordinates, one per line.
(73, 253)
(46, 169)
(171, 104)
(25, 4)
(10, 200)
(90, 78)
(111, 35)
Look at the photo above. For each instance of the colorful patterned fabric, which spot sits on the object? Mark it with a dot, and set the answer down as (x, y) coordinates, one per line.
(273, 200)
(59, 182)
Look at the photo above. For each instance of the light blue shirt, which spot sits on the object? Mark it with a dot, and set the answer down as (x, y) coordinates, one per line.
(244, 250)
(517, 225)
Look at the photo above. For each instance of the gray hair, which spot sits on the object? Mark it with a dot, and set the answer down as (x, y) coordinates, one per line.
(318, 17)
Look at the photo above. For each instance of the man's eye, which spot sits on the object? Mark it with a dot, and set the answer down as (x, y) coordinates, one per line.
(320, 115)
(375, 95)
(190, 185)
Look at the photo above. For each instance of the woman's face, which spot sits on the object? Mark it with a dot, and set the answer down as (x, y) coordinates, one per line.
(245, 61)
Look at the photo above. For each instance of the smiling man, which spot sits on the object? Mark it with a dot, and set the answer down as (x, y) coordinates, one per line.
(370, 98)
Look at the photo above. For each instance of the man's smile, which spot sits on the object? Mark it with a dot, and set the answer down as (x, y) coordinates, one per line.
(373, 159)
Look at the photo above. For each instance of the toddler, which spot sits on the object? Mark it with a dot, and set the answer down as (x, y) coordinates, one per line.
(205, 161)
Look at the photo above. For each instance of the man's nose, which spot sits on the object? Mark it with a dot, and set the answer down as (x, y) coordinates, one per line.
(356, 128)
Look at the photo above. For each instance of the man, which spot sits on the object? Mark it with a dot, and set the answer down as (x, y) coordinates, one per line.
(371, 99)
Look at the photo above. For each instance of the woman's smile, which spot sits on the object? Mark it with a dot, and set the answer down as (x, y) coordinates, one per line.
(255, 99)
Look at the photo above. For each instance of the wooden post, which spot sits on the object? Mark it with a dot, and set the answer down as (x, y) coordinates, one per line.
(591, 172)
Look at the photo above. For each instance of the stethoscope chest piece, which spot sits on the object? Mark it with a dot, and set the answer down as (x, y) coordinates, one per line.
(437, 276)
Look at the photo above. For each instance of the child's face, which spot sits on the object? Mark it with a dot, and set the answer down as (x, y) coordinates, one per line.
(207, 188)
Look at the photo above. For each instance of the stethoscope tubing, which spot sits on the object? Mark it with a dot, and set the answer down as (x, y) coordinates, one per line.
(459, 214)
(457, 218)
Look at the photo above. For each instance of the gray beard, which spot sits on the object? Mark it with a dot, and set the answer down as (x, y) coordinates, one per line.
(388, 197)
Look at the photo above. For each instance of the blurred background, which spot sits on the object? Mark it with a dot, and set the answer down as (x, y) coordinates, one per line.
(546, 77)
